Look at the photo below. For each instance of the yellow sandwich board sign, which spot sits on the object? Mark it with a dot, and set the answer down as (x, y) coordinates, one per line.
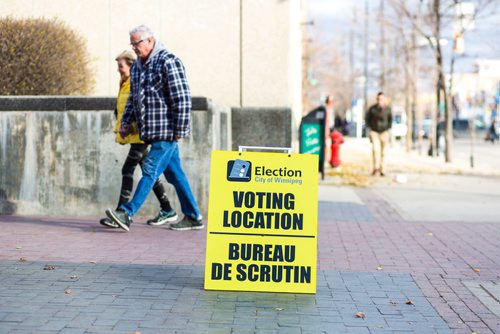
(262, 222)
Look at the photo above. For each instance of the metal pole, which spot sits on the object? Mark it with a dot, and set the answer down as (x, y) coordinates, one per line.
(351, 61)
(472, 137)
(241, 53)
(382, 46)
(365, 93)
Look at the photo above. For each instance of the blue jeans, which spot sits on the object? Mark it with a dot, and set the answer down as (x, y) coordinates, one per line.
(163, 158)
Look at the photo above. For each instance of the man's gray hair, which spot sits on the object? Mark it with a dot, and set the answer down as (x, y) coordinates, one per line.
(143, 31)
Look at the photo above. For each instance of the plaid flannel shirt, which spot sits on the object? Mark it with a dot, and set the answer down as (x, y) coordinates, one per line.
(160, 99)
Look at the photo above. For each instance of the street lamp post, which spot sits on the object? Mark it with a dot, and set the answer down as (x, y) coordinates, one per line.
(464, 21)
(365, 91)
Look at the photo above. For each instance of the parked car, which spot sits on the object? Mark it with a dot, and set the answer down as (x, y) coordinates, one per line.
(399, 127)
(426, 128)
(461, 127)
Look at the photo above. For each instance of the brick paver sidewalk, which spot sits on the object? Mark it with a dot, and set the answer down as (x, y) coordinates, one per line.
(150, 280)
(442, 258)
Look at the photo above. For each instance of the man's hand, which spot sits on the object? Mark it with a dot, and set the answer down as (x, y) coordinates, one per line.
(178, 138)
(125, 130)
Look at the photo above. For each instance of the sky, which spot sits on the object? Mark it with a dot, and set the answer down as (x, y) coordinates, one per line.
(333, 19)
(330, 8)
(331, 15)
(333, 23)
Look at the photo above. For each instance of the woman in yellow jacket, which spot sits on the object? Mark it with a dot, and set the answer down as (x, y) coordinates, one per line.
(138, 150)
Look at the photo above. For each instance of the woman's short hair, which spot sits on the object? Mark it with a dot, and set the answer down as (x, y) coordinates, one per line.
(128, 56)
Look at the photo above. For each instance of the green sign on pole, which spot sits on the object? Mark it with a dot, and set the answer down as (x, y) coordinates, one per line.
(312, 135)
(311, 139)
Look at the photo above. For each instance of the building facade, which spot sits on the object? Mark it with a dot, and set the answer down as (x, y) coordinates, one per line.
(240, 53)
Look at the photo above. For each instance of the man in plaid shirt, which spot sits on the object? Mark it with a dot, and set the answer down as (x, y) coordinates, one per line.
(160, 105)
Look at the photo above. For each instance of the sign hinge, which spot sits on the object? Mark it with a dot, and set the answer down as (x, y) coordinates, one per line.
(264, 149)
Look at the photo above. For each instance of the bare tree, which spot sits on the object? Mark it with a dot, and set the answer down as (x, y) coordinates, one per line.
(430, 25)
(464, 22)
(407, 49)
(327, 73)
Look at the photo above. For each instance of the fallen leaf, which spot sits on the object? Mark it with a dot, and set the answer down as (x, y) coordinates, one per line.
(93, 262)
(393, 302)
(409, 302)
(477, 270)
(360, 315)
(74, 277)
(68, 291)
(23, 259)
(279, 309)
(379, 268)
(48, 267)
(430, 234)
(19, 247)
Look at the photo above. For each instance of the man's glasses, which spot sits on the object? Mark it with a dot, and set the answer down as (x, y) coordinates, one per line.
(134, 44)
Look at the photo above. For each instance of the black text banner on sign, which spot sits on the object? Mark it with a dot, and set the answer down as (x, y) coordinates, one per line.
(262, 222)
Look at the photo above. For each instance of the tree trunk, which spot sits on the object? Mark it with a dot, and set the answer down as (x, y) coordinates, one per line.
(434, 140)
(408, 93)
(448, 118)
(414, 81)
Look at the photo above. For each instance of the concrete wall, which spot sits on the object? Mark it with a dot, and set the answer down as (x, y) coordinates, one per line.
(269, 127)
(58, 155)
(205, 34)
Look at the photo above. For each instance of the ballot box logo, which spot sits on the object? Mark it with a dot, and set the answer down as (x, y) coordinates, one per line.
(239, 170)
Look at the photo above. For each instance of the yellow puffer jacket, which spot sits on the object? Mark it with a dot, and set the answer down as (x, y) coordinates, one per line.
(123, 94)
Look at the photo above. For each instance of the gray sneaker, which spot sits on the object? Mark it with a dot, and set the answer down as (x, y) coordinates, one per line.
(163, 217)
(120, 217)
(188, 223)
(108, 223)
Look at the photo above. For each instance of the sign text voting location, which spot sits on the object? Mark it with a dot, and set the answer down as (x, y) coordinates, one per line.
(262, 222)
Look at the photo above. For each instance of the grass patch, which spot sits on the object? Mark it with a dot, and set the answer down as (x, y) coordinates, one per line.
(350, 174)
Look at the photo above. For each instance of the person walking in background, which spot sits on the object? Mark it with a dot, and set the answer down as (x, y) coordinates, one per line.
(379, 121)
(160, 103)
(492, 132)
(137, 153)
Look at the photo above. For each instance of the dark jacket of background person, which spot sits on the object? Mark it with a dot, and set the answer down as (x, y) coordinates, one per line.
(379, 119)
